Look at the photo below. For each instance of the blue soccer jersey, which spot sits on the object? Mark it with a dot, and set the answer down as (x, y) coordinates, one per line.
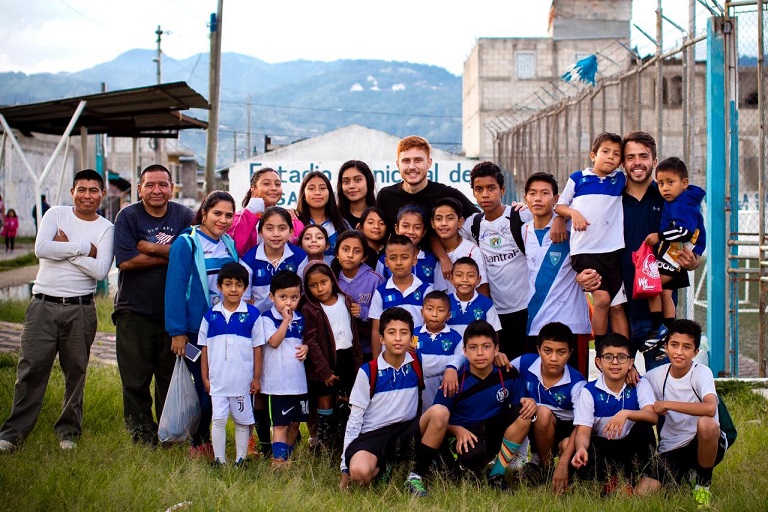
(597, 404)
(388, 295)
(440, 350)
(424, 269)
(479, 307)
(479, 399)
(261, 270)
(561, 397)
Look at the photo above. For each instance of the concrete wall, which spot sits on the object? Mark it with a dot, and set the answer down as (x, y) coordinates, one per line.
(17, 186)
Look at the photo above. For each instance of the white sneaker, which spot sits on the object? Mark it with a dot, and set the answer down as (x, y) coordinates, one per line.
(6, 446)
(66, 444)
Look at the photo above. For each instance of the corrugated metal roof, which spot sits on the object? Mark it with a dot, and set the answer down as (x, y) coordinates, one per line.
(152, 111)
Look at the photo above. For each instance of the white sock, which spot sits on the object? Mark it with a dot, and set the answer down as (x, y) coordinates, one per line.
(219, 439)
(242, 434)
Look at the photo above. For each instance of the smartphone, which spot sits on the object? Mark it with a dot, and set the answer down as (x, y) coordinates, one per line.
(192, 352)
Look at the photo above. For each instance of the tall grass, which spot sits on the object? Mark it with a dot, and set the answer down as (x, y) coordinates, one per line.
(108, 472)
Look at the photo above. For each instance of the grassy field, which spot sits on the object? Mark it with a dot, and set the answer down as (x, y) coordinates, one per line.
(13, 311)
(107, 472)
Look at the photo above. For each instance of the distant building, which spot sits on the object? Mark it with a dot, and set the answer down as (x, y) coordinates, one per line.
(327, 152)
(501, 73)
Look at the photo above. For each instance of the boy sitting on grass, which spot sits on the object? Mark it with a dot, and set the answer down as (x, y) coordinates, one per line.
(613, 435)
(384, 407)
(555, 386)
(691, 442)
(489, 416)
(231, 360)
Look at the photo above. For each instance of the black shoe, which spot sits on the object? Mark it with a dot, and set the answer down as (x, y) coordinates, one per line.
(498, 482)
(534, 474)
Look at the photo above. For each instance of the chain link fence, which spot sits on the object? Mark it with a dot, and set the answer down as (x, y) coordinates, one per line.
(664, 94)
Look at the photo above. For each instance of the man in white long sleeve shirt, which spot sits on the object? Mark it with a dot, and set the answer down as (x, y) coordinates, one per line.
(75, 248)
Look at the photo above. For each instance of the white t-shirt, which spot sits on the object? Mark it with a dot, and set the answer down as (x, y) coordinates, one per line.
(679, 429)
(504, 261)
(465, 248)
(554, 294)
(66, 270)
(586, 409)
(341, 323)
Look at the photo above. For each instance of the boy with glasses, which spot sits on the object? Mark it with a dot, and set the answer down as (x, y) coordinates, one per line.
(613, 435)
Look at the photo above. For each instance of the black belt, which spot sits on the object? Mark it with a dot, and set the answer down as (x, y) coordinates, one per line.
(66, 301)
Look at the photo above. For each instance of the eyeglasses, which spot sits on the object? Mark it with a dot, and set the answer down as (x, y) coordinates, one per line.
(609, 358)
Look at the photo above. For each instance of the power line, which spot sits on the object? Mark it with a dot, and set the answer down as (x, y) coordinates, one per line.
(342, 110)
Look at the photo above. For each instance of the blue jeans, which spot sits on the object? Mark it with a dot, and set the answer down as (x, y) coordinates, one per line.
(640, 330)
(203, 434)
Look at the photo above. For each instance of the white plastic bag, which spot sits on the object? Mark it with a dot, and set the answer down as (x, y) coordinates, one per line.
(181, 413)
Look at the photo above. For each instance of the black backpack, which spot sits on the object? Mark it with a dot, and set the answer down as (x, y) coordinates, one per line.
(515, 225)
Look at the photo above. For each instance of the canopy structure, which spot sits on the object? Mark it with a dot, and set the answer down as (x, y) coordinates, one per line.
(153, 111)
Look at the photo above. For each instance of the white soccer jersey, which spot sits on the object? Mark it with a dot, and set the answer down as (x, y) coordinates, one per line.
(504, 261)
(598, 199)
(465, 248)
(554, 294)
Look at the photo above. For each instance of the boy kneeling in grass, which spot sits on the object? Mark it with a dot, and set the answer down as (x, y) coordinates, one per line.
(384, 406)
(489, 416)
(691, 442)
(613, 434)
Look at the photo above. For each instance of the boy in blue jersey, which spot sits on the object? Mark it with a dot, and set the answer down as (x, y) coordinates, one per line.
(439, 346)
(412, 222)
(592, 200)
(284, 380)
(467, 305)
(403, 289)
(554, 385)
(489, 416)
(384, 410)
(613, 423)
(231, 361)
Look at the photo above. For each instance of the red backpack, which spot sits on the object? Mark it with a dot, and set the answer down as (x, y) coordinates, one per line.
(416, 364)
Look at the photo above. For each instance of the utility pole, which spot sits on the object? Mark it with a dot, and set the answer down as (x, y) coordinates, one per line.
(249, 151)
(159, 143)
(213, 84)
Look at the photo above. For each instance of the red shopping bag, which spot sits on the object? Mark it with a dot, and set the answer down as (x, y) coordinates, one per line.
(647, 281)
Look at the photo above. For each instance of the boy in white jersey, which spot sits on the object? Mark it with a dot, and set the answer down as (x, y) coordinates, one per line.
(231, 339)
(467, 305)
(592, 199)
(497, 231)
(403, 289)
(384, 409)
(613, 435)
(446, 221)
(690, 438)
(554, 293)
(439, 346)
(284, 380)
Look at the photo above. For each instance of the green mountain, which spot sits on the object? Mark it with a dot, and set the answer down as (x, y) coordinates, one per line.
(289, 101)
